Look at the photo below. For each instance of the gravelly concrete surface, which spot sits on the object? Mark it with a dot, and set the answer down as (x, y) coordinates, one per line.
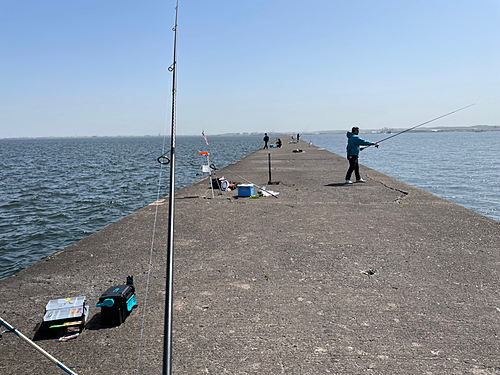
(328, 278)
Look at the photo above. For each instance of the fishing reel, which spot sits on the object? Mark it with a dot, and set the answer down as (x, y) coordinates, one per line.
(364, 148)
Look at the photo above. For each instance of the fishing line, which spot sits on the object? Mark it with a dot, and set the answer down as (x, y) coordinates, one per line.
(151, 252)
(163, 160)
(434, 119)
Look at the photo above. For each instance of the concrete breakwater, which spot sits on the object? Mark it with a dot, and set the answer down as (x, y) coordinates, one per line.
(378, 277)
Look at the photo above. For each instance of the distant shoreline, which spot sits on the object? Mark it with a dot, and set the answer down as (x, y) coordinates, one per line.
(440, 129)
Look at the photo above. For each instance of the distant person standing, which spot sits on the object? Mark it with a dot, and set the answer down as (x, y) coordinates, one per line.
(298, 137)
(266, 139)
(353, 143)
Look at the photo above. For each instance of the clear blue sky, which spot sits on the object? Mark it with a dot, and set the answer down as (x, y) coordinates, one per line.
(88, 67)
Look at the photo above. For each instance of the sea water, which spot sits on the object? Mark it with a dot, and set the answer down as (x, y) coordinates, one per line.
(54, 192)
(462, 167)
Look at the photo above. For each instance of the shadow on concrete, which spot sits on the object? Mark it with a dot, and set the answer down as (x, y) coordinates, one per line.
(339, 184)
(94, 323)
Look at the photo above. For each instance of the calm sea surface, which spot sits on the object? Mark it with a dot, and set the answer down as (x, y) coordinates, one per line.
(54, 192)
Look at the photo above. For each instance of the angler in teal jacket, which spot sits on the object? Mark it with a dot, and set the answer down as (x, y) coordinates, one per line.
(353, 143)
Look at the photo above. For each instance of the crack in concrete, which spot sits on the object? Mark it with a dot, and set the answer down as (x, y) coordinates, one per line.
(403, 195)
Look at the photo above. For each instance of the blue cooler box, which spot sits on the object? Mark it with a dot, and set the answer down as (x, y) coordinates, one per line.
(245, 190)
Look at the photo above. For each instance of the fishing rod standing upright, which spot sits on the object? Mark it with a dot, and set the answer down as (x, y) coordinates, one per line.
(167, 338)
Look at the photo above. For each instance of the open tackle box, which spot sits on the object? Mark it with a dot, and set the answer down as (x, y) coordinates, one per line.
(65, 316)
(116, 303)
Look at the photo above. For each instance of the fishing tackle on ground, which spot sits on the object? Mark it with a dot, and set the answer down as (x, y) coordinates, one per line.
(117, 302)
(275, 196)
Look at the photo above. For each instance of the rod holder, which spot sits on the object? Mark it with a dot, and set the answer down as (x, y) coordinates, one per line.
(271, 182)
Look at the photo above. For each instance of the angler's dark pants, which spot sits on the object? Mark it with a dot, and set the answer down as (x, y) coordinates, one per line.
(353, 166)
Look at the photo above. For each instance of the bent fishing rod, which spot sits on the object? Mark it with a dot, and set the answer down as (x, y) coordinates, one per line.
(434, 119)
